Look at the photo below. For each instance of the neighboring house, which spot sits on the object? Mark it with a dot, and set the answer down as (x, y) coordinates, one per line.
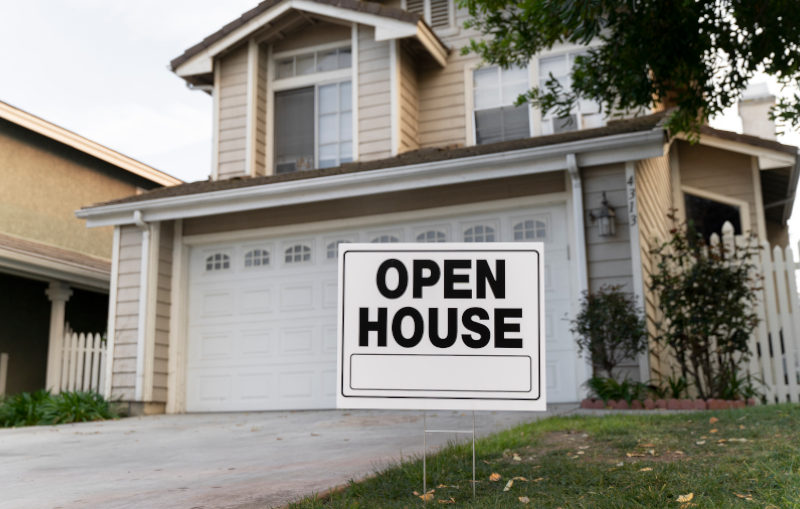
(53, 270)
(347, 121)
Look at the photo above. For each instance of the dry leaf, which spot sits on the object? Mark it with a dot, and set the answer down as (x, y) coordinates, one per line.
(721, 441)
(517, 458)
(451, 501)
(509, 484)
(426, 497)
(495, 477)
(583, 447)
(700, 442)
(580, 452)
(415, 493)
(520, 479)
(539, 479)
(634, 455)
(646, 445)
(621, 463)
(685, 498)
(524, 500)
(574, 457)
(487, 462)
(651, 452)
(713, 420)
(713, 430)
(741, 426)
(646, 469)
(737, 440)
(749, 498)
(679, 453)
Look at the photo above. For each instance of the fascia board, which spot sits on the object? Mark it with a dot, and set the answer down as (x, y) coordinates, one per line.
(610, 149)
(24, 264)
(776, 158)
(388, 28)
(431, 43)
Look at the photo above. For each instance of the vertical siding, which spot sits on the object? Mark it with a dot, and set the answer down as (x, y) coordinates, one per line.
(719, 171)
(123, 382)
(653, 202)
(261, 112)
(233, 114)
(409, 102)
(609, 258)
(163, 302)
(374, 97)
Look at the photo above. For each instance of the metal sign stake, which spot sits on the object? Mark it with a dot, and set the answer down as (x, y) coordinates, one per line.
(425, 449)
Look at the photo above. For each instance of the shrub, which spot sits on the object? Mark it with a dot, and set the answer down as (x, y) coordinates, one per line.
(43, 408)
(610, 328)
(608, 389)
(706, 296)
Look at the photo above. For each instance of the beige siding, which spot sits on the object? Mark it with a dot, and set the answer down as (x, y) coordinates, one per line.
(719, 171)
(609, 258)
(163, 303)
(426, 198)
(261, 112)
(321, 33)
(409, 102)
(374, 97)
(233, 114)
(126, 329)
(653, 203)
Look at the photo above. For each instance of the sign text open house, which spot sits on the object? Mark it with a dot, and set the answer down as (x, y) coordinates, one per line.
(452, 326)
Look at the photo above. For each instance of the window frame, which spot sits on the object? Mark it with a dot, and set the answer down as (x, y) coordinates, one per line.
(268, 247)
(290, 244)
(744, 207)
(350, 238)
(545, 218)
(451, 29)
(212, 252)
(486, 224)
(473, 109)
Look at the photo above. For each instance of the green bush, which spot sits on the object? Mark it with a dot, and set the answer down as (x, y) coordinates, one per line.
(608, 389)
(43, 408)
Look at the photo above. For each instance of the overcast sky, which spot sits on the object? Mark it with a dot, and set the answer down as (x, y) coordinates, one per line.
(99, 68)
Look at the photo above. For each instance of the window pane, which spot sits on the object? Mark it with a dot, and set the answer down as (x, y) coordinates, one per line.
(346, 152)
(708, 216)
(488, 126)
(294, 130)
(285, 68)
(515, 122)
(305, 64)
(327, 61)
(327, 156)
(557, 66)
(515, 73)
(345, 96)
(327, 99)
(563, 125)
(346, 126)
(511, 91)
(486, 88)
(328, 129)
(592, 121)
(345, 58)
(486, 77)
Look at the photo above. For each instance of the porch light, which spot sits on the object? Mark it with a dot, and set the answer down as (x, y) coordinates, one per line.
(605, 219)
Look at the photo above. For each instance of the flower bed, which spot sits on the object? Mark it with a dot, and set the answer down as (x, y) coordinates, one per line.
(667, 404)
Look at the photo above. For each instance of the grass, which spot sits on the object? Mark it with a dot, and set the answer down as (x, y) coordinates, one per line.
(762, 472)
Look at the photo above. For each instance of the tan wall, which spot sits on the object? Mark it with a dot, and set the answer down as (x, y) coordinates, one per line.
(409, 102)
(653, 202)
(719, 171)
(127, 319)
(163, 301)
(430, 197)
(233, 114)
(374, 97)
(321, 33)
(40, 190)
(261, 112)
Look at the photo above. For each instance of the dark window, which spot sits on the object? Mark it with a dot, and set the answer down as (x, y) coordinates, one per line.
(708, 216)
(294, 130)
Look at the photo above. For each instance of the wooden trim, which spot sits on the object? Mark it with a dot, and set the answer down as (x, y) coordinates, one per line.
(252, 107)
(343, 43)
(675, 175)
(151, 303)
(75, 141)
(636, 256)
(269, 159)
(394, 94)
(215, 120)
(177, 320)
(759, 199)
(744, 207)
(354, 85)
(112, 312)
(310, 80)
(773, 158)
(141, 325)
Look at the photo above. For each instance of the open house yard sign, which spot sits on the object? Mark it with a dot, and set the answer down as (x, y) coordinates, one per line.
(441, 326)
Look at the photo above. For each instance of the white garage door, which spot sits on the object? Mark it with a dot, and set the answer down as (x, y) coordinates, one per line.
(262, 314)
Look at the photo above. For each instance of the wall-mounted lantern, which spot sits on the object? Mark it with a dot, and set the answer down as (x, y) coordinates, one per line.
(606, 219)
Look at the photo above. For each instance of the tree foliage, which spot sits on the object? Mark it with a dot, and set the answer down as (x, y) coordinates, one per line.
(697, 55)
(610, 328)
(706, 295)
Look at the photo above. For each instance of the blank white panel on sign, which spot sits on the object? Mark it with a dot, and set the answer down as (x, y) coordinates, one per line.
(466, 373)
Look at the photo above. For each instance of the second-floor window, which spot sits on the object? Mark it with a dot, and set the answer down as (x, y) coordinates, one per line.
(435, 12)
(495, 116)
(585, 115)
(313, 127)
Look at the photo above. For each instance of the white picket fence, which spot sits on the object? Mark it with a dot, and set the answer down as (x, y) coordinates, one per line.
(775, 343)
(83, 362)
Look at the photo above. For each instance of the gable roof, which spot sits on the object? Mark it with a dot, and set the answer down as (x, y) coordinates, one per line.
(393, 24)
(52, 131)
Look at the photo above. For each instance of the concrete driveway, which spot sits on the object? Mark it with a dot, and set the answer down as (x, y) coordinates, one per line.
(237, 460)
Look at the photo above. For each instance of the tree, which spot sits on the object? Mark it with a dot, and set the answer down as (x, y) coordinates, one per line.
(610, 327)
(696, 55)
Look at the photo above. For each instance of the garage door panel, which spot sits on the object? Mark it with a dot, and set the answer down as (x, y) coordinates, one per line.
(297, 297)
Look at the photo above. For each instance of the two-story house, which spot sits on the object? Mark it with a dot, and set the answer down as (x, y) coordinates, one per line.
(53, 271)
(348, 121)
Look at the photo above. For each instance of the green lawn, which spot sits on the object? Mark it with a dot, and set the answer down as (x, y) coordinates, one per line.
(618, 461)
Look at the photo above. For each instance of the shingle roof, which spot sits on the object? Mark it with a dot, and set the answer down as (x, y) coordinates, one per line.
(354, 5)
(421, 156)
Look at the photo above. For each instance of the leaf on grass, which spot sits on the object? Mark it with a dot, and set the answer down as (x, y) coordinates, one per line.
(713, 420)
(495, 477)
(519, 479)
(445, 486)
(583, 447)
(646, 445)
(721, 441)
(634, 455)
(679, 453)
(524, 500)
(651, 452)
(737, 440)
(580, 452)
(451, 501)
(426, 497)
(517, 458)
(487, 462)
(539, 479)
(621, 463)
(713, 430)
(749, 498)
(685, 498)
(742, 426)
(509, 484)
(700, 442)
(646, 469)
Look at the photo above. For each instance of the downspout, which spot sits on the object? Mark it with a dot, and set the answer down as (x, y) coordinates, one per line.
(580, 253)
(142, 323)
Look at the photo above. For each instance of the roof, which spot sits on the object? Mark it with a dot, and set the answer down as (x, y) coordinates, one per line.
(749, 140)
(353, 5)
(52, 131)
(422, 156)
